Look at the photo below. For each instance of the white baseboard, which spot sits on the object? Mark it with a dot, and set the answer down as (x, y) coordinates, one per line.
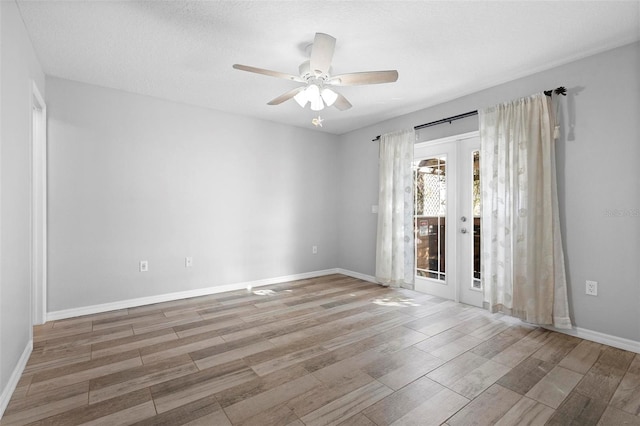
(7, 392)
(605, 339)
(583, 333)
(594, 336)
(357, 275)
(141, 301)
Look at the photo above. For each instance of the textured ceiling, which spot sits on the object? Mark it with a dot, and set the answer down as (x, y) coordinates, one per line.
(183, 50)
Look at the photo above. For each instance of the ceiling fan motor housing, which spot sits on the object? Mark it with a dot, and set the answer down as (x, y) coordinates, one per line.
(306, 74)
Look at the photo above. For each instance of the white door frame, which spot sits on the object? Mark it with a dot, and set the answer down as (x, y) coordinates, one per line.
(38, 206)
(453, 224)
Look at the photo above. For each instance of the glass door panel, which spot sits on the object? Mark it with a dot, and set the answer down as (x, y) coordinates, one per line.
(477, 221)
(430, 176)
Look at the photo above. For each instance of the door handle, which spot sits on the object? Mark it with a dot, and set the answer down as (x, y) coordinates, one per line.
(463, 231)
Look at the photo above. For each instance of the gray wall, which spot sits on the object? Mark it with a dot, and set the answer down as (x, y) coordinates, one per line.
(598, 175)
(137, 178)
(133, 178)
(19, 67)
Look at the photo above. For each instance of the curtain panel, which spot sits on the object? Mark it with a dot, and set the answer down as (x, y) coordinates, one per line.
(523, 267)
(395, 241)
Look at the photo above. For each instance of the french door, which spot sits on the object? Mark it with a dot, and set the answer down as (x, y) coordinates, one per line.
(447, 218)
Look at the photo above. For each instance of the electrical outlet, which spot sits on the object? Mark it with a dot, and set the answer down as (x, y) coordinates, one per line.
(314, 249)
(188, 262)
(592, 288)
(144, 266)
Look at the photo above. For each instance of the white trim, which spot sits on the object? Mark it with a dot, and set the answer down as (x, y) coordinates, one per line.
(454, 138)
(8, 390)
(130, 303)
(598, 337)
(358, 275)
(38, 207)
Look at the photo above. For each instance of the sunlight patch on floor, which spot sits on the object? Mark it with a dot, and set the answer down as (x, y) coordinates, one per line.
(395, 301)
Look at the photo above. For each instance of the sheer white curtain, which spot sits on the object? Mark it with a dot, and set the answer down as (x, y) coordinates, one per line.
(522, 259)
(395, 242)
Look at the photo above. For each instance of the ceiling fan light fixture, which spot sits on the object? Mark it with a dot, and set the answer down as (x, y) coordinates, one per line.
(311, 94)
(329, 96)
(302, 98)
(317, 104)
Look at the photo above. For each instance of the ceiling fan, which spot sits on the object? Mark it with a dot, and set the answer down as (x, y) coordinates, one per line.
(318, 81)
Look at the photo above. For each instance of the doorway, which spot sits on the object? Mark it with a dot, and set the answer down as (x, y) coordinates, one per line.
(447, 218)
(38, 207)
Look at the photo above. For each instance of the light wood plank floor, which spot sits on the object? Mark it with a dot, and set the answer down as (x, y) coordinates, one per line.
(329, 350)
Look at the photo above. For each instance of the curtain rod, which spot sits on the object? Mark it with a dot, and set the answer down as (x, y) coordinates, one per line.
(558, 91)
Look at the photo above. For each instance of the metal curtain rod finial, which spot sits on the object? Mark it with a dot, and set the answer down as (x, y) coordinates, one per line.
(558, 91)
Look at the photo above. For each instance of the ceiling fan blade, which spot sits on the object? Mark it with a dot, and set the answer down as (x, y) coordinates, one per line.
(322, 53)
(276, 74)
(286, 96)
(342, 103)
(367, 77)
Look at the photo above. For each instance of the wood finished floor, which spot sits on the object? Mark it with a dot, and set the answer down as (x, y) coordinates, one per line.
(328, 350)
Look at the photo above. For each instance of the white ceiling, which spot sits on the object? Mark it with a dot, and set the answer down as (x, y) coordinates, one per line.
(184, 50)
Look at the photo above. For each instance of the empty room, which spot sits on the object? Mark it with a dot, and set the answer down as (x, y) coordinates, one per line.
(298, 213)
